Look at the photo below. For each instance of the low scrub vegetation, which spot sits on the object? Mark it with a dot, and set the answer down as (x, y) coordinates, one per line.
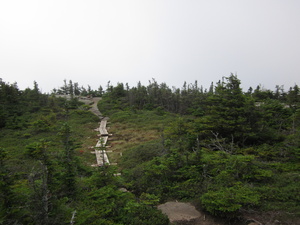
(45, 166)
(232, 153)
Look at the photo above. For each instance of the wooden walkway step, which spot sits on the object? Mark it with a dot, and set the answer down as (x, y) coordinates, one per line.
(102, 128)
(100, 152)
(103, 140)
(101, 157)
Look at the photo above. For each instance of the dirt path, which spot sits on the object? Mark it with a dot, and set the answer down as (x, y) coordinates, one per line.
(94, 108)
(94, 101)
(88, 101)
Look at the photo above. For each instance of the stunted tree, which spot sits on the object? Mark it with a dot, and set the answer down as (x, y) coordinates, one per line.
(100, 91)
(6, 194)
(40, 181)
(71, 89)
(76, 89)
(229, 111)
(293, 97)
(69, 161)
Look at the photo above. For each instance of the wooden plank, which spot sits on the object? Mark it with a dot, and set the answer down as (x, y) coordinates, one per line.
(102, 128)
(104, 141)
(103, 123)
(101, 157)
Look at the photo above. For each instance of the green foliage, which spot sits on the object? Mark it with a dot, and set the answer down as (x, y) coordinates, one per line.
(227, 201)
(141, 214)
(36, 150)
(141, 154)
(149, 199)
(42, 178)
(226, 152)
(6, 196)
(40, 125)
(119, 208)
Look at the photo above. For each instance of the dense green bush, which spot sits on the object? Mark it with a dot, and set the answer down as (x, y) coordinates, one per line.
(227, 201)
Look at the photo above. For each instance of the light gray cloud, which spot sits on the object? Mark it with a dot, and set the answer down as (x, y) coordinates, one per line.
(92, 42)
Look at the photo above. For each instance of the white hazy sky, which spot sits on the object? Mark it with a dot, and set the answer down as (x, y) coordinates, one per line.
(96, 41)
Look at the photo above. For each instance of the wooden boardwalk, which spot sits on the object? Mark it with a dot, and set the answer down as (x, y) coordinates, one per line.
(103, 140)
(101, 155)
(100, 152)
(102, 128)
(102, 158)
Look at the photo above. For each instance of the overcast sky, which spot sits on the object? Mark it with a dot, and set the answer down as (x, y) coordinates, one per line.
(95, 41)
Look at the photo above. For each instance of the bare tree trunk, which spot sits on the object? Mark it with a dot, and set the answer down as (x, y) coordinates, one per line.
(45, 195)
(72, 222)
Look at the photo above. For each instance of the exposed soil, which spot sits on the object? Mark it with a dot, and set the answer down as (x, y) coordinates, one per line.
(270, 218)
(182, 213)
(93, 102)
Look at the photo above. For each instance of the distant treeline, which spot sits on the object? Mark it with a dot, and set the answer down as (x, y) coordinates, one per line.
(224, 109)
(178, 100)
(73, 89)
(15, 103)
